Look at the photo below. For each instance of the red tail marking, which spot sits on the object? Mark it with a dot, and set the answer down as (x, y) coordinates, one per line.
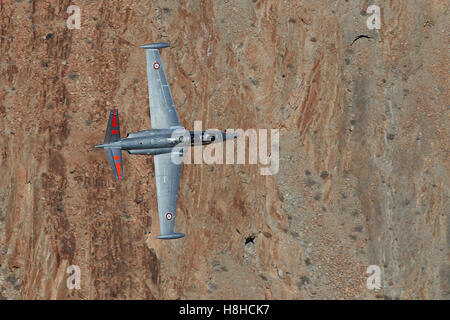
(114, 131)
(114, 124)
(116, 157)
(118, 170)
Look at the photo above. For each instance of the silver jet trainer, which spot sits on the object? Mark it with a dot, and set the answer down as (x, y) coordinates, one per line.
(167, 141)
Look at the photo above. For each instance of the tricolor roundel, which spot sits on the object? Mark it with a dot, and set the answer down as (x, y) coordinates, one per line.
(156, 65)
(169, 216)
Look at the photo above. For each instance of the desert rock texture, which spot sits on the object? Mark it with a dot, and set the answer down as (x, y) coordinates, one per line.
(363, 175)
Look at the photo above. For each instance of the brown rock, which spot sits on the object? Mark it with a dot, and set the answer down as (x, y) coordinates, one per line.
(349, 116)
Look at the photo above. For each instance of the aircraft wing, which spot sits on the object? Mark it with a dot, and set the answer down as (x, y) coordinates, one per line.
(162, 108)
(167, 175)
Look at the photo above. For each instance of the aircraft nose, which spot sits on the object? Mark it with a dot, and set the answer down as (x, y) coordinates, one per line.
(231, 135)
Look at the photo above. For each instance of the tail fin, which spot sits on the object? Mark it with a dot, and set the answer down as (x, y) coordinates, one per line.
(114, 154)
(115, 160)
(113, 129)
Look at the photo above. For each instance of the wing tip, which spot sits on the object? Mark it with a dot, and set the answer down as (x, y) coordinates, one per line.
(156, 45)
(174, 235)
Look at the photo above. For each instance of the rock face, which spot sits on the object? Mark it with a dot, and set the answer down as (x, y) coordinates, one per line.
(363, 174)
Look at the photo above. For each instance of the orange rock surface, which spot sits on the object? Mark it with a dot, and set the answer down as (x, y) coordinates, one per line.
(364, 170)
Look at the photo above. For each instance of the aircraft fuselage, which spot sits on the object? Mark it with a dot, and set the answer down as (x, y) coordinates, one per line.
(159, 141)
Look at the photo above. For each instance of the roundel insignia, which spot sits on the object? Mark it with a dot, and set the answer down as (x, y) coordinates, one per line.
(169, 216)
(156, 65)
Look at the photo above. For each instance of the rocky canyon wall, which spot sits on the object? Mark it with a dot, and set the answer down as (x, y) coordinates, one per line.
(363, 169)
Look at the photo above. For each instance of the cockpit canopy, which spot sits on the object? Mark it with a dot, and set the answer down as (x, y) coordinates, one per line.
(205, 137)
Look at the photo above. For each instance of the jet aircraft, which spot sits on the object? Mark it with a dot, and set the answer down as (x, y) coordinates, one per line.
(166, 141)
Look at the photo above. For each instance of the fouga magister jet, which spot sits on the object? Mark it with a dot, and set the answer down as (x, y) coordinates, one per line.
(167, 141)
